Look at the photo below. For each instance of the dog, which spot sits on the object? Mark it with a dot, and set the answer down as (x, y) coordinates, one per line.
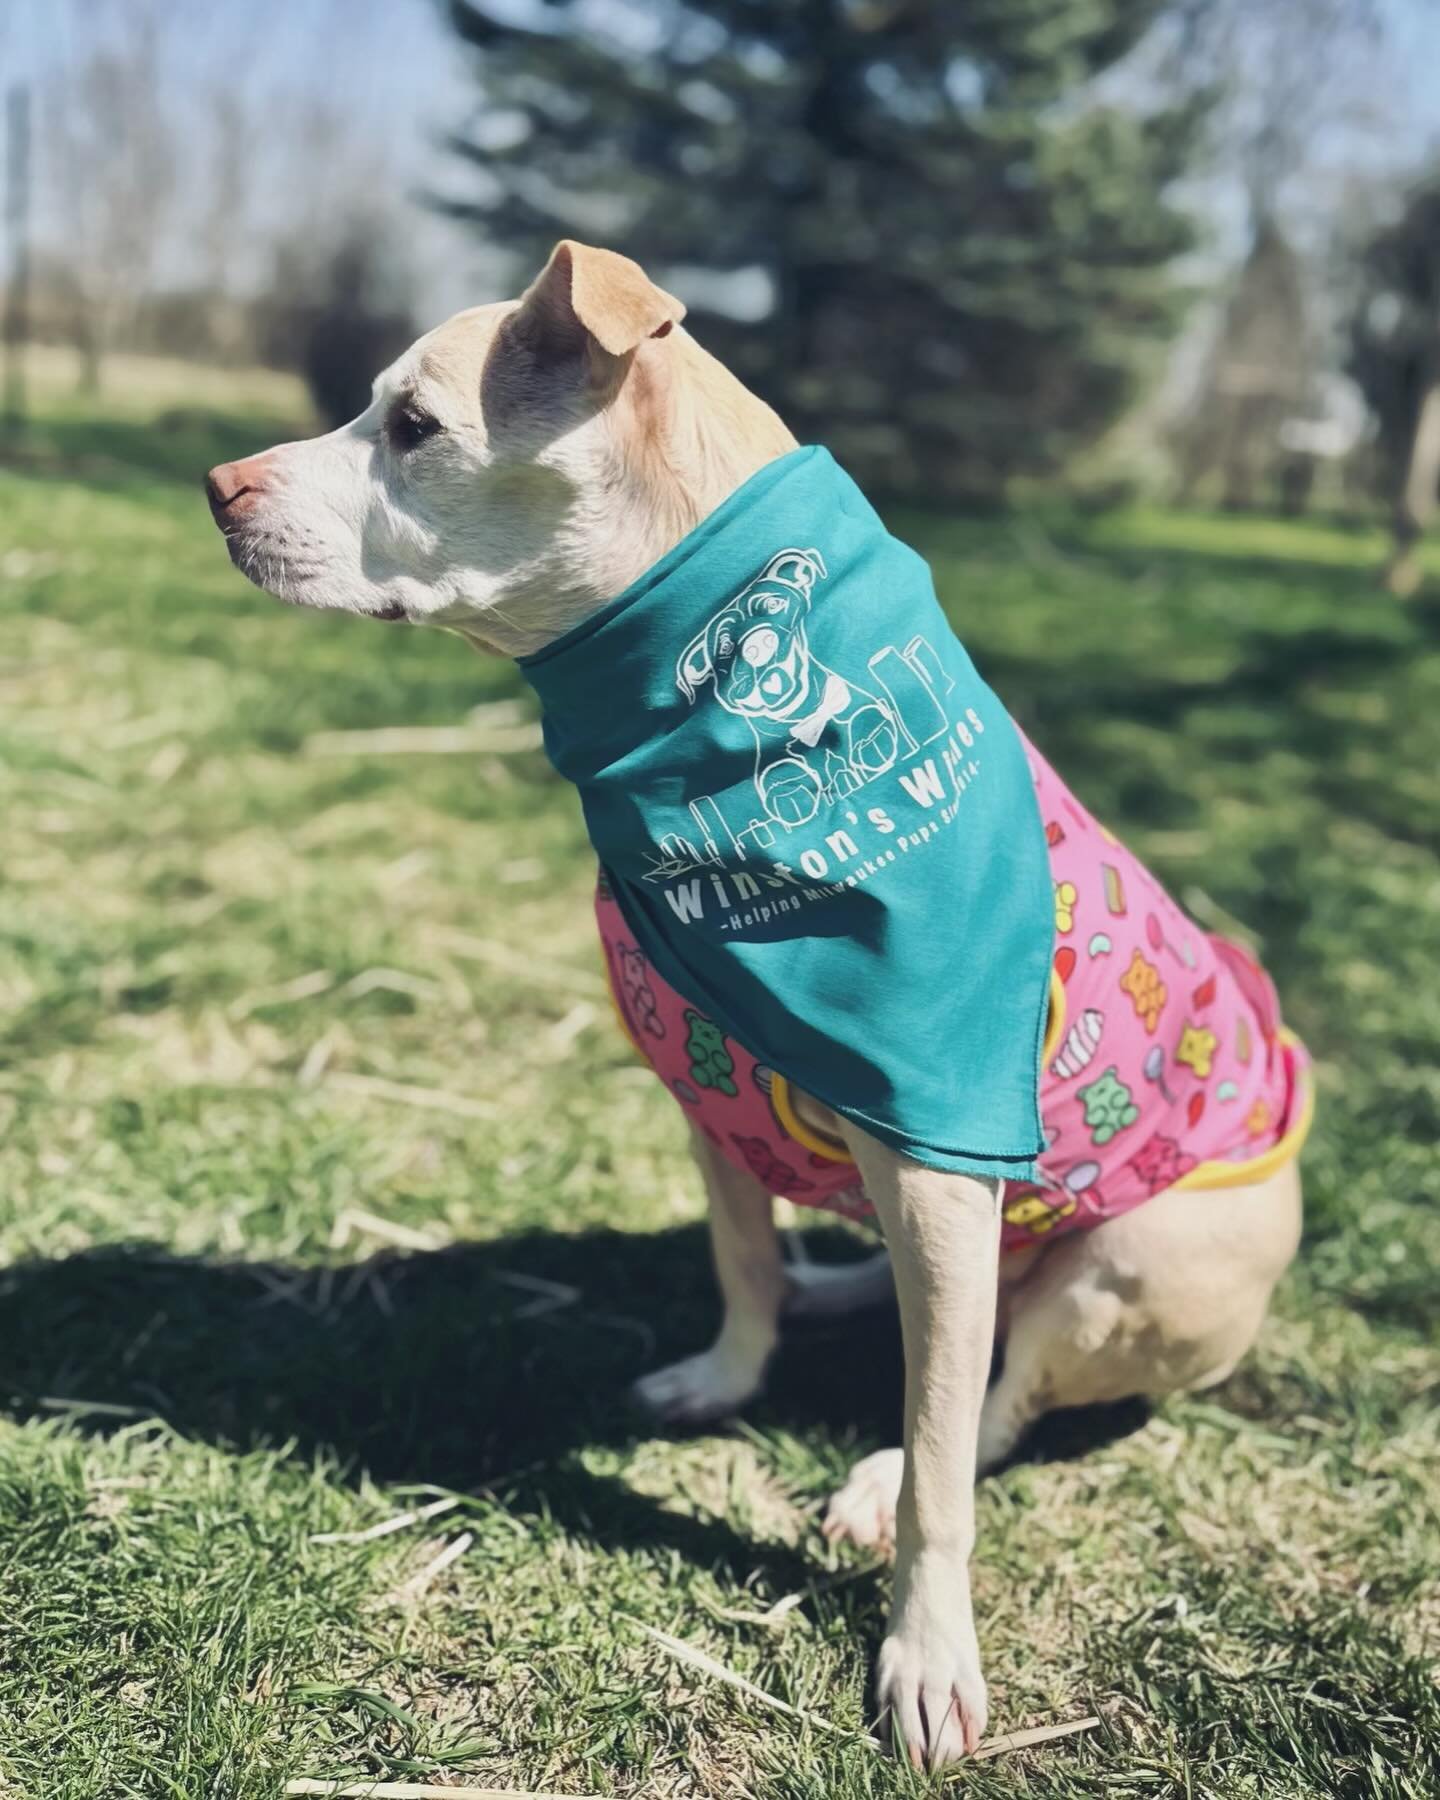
(516, 469)
(818, 737)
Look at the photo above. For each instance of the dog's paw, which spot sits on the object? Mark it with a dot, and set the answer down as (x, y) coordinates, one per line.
(863, 1511)
(931, 1692)
(713, 1385)
(791, 791)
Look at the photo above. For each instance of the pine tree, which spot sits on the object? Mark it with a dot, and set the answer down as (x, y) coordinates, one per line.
(961, 251)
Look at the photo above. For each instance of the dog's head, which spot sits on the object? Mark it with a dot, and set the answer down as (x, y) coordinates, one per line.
(514, 469)
(756, 651)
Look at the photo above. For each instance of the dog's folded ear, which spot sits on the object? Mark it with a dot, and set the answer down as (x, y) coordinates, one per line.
(695, 666)
(585, 293)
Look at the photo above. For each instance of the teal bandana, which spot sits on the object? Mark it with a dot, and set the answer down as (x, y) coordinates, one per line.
(816, 818)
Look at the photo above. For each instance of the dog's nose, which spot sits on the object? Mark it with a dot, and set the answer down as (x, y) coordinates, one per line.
(234, 489)
(761, 647)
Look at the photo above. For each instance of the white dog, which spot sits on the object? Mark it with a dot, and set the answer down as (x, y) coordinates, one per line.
(517, 468)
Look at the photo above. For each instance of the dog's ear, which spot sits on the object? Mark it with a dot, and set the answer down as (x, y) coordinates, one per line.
(798, 569)
(695, 666)
(583, 293)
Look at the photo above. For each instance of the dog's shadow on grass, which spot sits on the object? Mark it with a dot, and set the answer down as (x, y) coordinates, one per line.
(493, 1364)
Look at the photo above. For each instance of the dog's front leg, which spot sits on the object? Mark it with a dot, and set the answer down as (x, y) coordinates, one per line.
(943, 1233)
(752, 1284)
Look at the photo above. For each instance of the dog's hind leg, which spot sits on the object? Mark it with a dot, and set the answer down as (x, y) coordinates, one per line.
(1161, 1300)
(752, 1279)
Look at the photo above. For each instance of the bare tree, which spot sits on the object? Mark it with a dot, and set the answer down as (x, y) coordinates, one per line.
(114, 162)
(1284, 75)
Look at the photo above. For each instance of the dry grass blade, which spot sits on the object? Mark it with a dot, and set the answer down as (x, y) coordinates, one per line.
(550, 1296)
(104, 1409)
(996, 1746)
(698, 1659)
(418, 1790)
(390, 981)
(303, 987)
(1037, 1734)
(525, 965)
(415, 1588)
(386, 1526)
(563, 1033)
(317, 1059)
(402, 1237)
(403, 1093)
(773, 1616)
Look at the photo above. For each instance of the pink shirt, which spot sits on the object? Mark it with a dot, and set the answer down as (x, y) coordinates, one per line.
(1165, 1062)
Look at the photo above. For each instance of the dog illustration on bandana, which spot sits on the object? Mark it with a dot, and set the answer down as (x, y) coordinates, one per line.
(818, 736)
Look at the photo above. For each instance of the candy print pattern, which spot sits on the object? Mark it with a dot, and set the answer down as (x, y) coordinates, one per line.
(1109, 1106)
(639, 996)
(1036, 1211)
(1081, 1042)
(1160, 1163)
(711, 1064)
(1168, 1064)
(1141, 981)
(766, 1166)
(1197, 1049)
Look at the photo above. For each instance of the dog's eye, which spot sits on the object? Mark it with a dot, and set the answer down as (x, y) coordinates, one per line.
(409, 425)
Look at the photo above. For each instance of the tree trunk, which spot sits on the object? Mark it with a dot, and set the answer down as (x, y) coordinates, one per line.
(1420, 495)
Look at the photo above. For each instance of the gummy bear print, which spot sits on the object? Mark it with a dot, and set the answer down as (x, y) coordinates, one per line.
(1141, 981)
(640, 999)
(1033, 1211)
(767, 1168)
(711, 1063)
(1109, 1106)
(1160, 1163)
(1197, 1049)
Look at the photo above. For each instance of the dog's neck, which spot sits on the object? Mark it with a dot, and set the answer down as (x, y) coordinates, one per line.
(678, 437)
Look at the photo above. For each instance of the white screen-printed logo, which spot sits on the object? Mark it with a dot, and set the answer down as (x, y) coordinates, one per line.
(820, 734)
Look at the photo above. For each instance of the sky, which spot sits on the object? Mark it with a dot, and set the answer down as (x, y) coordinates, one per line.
(396, 80)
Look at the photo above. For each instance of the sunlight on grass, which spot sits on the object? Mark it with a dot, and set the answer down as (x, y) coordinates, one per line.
(274, 1022)
(1238, 537)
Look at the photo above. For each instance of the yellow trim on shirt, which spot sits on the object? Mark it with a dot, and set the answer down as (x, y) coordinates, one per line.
(1054, 1021)
(794, 1126)
(1213, 1174)
(1258, 1168)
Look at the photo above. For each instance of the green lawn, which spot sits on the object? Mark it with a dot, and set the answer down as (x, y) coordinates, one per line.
(308, 1085)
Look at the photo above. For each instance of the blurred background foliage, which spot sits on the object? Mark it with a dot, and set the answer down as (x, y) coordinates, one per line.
(1110, 248)
(960, 253)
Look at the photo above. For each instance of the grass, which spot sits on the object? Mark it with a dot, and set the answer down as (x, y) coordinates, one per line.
(212, 1351)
